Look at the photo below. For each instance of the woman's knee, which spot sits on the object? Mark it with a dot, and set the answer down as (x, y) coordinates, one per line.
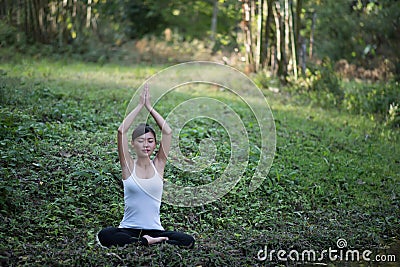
(190, 241)
(105, 236)
(187, 240)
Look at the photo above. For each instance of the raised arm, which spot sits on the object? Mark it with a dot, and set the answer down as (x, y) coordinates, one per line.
(125, 157)
(161, 158)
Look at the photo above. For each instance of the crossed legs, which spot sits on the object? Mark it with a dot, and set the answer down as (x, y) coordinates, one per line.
(113, 236)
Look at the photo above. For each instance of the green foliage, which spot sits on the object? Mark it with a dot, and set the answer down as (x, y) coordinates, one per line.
(331, 34)
(188, 19)
(323, 87)
(393, 116)
(380, 99)
(321, 84)
(143, 17)
(192, 18)
(263, 79)
(326, 85)
(357, 31)
(116, 22)
(334, 175)
(10, 36)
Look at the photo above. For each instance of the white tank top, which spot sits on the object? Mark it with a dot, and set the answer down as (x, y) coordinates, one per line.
(142, 198)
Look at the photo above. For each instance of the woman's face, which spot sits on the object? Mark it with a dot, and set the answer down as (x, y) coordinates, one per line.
(144, 145)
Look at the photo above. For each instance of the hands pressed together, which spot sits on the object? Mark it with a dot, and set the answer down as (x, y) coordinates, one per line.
(145, 97)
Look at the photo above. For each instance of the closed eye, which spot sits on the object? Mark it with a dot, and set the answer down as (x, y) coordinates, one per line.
(150, 140)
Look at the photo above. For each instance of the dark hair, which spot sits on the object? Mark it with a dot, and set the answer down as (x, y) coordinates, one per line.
(142, 129)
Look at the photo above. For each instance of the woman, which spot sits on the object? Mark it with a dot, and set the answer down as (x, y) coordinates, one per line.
(143, 184)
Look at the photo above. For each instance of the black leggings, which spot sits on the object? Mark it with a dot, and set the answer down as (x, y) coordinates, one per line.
(113, 236)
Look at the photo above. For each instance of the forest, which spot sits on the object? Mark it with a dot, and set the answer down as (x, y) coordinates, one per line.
(321, 78)
(280, 36)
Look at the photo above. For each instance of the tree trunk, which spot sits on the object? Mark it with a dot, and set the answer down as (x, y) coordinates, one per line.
(314, 16)
(53, 16)
(297, 26)
(268, 30)
(280, 43)
(282, 65)
(246, 24)
(34, 10)
(60, 22)
(287, 29)
(278, 55)
(74, 8)
(3, 9)
(88, 13)
(41, 21)
(260, 24)
(293, 42)
(27, 17)
(20, 11)
(214, 21)
(303, 52)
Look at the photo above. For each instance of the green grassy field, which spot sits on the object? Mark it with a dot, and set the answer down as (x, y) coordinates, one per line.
(334, 175)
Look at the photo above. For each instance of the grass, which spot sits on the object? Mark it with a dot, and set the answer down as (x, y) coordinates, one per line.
(335, 175)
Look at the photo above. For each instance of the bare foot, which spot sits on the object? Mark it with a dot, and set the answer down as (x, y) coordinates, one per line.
(153, 240)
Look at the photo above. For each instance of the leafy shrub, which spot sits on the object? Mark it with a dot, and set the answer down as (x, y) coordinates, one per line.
(263, 79)
(380, 99)
(393, 116)
(321, 84)
(8, 34)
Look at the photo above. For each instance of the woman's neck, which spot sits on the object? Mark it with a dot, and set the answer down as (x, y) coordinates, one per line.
(143, 162)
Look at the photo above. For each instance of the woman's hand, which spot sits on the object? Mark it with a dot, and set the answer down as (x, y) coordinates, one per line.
(142, 100)
(147, 102)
